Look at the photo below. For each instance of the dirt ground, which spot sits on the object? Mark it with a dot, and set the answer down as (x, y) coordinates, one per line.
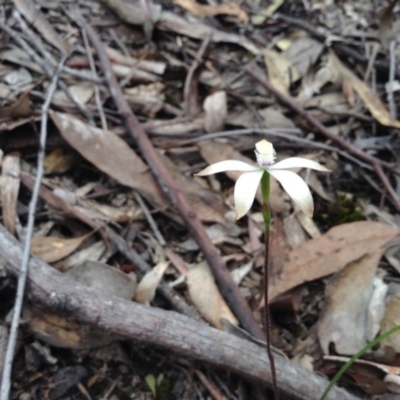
(142, 283)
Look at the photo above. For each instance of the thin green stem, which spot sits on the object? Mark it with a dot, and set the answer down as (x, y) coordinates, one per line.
(265, 188)
(356, 356)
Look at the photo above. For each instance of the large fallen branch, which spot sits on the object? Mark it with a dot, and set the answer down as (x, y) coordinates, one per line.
(166, 329)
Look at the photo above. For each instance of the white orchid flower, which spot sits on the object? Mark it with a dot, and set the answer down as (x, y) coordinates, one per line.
(246, 185)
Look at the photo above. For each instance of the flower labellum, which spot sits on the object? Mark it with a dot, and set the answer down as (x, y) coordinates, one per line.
(247, 184)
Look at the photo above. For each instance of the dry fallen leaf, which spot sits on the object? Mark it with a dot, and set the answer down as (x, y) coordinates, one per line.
(51, 249)
(344, 321)
(387, 31)
(146, 289)
(9, 188)
(93, 252)
(281, 72)
(205, 295)
(330, 253)
(303, 53)
(81, 93)
(390, 320)
(111, 155)
(104, 278)
(62, 331)
(20, 109)
(146, 100)
(58, 162)
(216, 108)
(370, 99)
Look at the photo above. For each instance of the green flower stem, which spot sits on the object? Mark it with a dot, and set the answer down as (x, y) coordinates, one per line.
(356, 356)
(265, 189)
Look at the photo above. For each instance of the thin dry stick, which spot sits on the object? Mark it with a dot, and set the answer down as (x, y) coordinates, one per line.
(46, 69)
(150, 219)
(35, 40)
(110, 235)
(390, 84)
(318, 127)
(382, 65)
(228, 288)
(96, 87)
(187, 89)
(6, 376)
(287, 134)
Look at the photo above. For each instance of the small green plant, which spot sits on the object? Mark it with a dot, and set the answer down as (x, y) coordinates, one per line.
(245, 192)
(345, 209)
(356, 356)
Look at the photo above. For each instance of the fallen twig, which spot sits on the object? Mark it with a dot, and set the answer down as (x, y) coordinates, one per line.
(110, 235)
(326, 36)
(12, 339)
(167, 183)
(157, 327)
(318, 127)
(46, 68)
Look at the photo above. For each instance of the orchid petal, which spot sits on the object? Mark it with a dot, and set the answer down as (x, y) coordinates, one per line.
(296, 188)
(245, 191)
(298, 162)
(227, 165)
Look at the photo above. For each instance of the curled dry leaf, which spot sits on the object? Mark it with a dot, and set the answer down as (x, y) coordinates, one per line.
(345, 318)
(390, 320)
(81, 93)
(51, 249)
(303, 53)
(146, 99)
(146, 289)
(200, 10)
(216, 109)
(330, 253)
(58, 162)
(205, 295)
(370, 99)
(9, 187)
(281, 72)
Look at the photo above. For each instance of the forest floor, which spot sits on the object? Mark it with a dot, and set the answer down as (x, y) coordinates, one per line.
(114, 106)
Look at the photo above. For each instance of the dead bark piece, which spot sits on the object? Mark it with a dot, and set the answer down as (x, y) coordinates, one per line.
(157, 327)
(9, 189)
